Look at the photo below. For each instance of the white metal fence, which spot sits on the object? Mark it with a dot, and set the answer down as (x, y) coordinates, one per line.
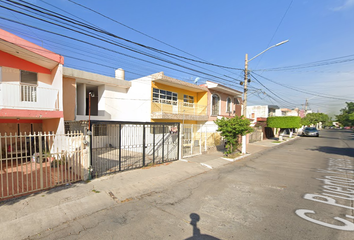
(197, 138)
(34, 162)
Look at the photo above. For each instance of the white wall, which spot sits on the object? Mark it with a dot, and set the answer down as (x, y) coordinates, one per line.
(259, 111)
(133, 104)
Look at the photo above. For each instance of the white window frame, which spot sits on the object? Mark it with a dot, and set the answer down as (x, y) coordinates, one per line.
(212, 104)
(188, 101)
(28, 90)
(164, 96)
(228, 105)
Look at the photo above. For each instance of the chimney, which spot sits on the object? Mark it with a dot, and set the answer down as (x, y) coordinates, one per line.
(120, 74)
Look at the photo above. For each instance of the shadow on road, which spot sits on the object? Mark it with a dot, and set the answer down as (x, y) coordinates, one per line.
(335, 150)
(196, 231)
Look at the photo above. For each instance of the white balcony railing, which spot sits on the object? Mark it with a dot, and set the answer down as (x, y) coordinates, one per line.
(179, 110)
(23, 96)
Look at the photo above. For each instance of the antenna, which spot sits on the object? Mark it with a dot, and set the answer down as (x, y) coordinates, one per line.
(196, 80)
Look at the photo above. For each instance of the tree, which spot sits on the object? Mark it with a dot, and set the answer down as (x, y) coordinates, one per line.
(346, 118)
(314, 118)
(283, 122)
(231, 129)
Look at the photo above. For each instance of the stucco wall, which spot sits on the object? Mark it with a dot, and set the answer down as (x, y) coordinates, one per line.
(133, 104)
(69, 98)
(222, 105)
(199, 98)
(255, 112)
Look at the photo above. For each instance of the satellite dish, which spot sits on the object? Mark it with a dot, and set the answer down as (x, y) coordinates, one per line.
(196, 80)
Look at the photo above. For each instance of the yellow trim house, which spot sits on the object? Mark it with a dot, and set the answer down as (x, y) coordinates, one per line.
(174, 100)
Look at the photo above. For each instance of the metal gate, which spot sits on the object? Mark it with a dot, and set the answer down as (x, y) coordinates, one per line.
(119, 146)
(34, 162)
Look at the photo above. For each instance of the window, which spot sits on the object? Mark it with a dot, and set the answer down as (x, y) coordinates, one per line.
(228, 105)
(29, 83)
(215, 105)
(236, 101)
(188, 101)
(29, 77)
(99, 129)
(163, 96)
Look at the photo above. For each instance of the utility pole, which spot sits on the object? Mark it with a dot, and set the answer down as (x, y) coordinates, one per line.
(245, 87)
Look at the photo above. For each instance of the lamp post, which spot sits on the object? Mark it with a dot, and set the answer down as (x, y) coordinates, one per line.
(244, 109)
(91, 94)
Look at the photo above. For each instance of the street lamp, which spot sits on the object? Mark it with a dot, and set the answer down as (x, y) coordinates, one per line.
(244, 110)
(91, 94)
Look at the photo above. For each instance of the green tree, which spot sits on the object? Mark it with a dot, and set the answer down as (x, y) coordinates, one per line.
(346, 117)
(231, 129)
(283, 122)
(314, 118)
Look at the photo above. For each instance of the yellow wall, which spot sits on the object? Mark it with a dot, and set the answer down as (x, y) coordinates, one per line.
(199, 98)
(69, 100)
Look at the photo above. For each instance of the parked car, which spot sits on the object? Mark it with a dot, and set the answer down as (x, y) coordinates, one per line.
(310, 132)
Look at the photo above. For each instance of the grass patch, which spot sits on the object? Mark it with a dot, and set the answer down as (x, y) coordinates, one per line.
(95, 191)
(276, 142)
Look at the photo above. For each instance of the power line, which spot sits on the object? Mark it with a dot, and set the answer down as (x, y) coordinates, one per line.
(113, 35)
(311, 64)
(270, 90)
(276, 30)
(111, 43)
(303, 91)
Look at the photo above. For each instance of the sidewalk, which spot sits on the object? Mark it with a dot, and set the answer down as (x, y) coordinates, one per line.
(27, 216)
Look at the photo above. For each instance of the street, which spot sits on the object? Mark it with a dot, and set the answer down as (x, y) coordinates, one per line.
(295, 191)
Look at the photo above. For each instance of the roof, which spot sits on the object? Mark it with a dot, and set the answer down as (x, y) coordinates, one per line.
(161, 78)
(28, 51)
(222, 88)
(94, 79)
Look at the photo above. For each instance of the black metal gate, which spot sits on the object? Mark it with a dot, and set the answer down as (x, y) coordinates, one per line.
(119, 146)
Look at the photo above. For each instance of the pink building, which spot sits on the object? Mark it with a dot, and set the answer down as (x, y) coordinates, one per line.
(30, 87)
(222, 102)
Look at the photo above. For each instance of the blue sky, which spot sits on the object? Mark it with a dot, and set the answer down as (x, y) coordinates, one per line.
(216, 32)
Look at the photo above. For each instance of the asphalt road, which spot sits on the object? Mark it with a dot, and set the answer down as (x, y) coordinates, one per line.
(296, 191)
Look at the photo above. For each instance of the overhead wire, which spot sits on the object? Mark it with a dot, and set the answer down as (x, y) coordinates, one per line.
(303, 91)
(271, 91)
(115, 36)
(106, 41)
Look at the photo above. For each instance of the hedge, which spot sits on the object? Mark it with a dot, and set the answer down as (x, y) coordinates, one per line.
(284, 122)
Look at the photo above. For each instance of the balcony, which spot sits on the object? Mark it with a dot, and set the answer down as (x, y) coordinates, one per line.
(178, 110)
(31, 97)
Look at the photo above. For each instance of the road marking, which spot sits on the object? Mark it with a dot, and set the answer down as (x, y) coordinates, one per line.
(341, 187)
(206, 165)
(183, 160)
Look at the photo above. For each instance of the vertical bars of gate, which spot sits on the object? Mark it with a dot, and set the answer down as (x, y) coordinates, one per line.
(39, 161)
(129, 145)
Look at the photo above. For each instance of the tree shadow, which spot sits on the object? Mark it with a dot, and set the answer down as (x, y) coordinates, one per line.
(335, 150)
(196, 231)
